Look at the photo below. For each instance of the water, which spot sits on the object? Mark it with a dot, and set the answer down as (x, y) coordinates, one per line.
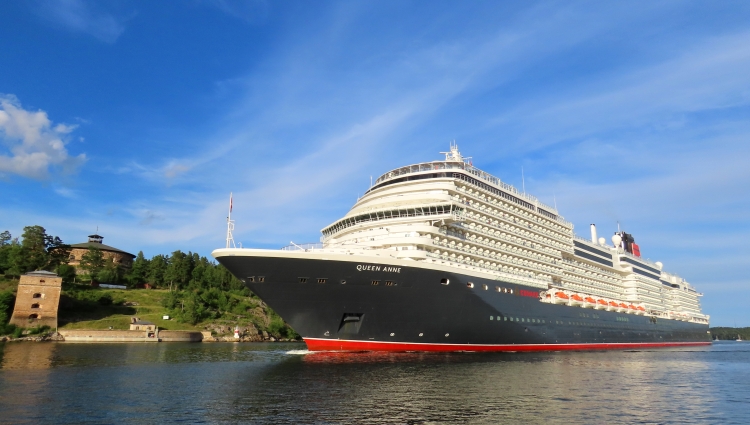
(283, 383)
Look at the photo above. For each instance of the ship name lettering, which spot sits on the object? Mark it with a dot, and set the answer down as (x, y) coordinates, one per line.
(370, 267)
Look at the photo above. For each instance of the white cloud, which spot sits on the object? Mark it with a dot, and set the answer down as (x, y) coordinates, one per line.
(34, 144)
(81, 16)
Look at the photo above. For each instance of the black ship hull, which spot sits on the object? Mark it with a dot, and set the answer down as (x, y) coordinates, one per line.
(348, 305)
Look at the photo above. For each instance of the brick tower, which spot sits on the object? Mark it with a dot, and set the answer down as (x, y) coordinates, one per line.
(37, 300)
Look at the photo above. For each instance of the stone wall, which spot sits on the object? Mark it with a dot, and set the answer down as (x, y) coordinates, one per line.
(80, 335)
(125, 260)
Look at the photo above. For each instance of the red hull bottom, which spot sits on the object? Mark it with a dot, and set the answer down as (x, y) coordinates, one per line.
(316, 344)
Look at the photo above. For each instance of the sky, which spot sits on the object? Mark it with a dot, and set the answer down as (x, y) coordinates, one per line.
(138, 118)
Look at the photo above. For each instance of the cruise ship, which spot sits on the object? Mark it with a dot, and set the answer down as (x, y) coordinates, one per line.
(442, 256)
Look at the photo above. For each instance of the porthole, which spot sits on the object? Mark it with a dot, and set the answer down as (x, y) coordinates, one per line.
(261, 279)
(251, 279)
(492, 317)
(421, 334)
(343, 282)
(505, 319)
(510, 291)
(393, 334)
(303, 280)
(375, 283)
(447, 335)
(469, 284)
(485, 287)
(322, 280)
(498, 289)
(388, 283)
(444, 281)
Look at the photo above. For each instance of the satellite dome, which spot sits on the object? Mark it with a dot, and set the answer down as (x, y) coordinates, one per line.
(616, 240)
(659, 265)
(602, 241)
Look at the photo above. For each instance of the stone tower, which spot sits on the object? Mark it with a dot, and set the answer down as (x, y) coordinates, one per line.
(37, 300)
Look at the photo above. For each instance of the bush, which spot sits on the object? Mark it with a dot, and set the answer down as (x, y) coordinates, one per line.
(38, 330)
(17, 332)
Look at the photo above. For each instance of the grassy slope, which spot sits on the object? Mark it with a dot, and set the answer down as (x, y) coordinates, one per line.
(118, 316)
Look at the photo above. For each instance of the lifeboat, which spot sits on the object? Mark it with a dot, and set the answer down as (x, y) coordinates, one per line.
(622, 307)
(576, 299)
(600, 304)
(561, 298)
(590, 302)
(632, 309)
(612, 306)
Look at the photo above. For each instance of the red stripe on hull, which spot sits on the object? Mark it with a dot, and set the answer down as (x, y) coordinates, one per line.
(315, 344)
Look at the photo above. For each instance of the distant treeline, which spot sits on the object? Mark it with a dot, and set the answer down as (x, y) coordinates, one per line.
(724, 333)
(199, 289)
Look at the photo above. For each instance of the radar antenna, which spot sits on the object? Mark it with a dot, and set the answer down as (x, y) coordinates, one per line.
(230, 225)
(454, 155)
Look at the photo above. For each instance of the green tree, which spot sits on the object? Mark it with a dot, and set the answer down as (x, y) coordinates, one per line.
(111, 272)
(139, 272)
(92, 262)
(156, 270)
(34, 246)
(179, 269)
(5, 238)
(57, 252)
(66, 272)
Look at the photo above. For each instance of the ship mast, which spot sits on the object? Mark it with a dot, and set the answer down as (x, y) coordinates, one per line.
(230, 225)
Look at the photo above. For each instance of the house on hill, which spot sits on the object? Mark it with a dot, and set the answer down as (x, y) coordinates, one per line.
(118, 256)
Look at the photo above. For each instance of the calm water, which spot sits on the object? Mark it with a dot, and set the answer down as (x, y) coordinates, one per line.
(282, 383)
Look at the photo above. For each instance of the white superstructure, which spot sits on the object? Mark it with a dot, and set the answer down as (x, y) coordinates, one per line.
(450, 214)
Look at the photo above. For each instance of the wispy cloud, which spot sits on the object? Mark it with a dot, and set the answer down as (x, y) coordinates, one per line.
(35, 146)
(84, 17)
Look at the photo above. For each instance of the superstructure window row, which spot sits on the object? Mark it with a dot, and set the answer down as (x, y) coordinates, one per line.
(391, 214)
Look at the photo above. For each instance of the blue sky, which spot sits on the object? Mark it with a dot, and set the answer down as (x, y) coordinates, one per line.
(141, 117)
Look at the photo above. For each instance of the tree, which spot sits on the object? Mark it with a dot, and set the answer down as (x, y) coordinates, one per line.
(156, 270)
(139, 272)
(34, 246)
(5, 238)
(92, 262)
(66, 272)
(57, 252)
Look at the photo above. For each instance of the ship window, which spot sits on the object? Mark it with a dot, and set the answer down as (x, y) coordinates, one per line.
(322, 280)
(251, 278)
(303, 280)
(36, 296)
(498, 289)
(469, 284)
(517, 319)
(485, 287)
(388, 283)
(343, 282)
(375, 283)
(510, 291)
(34, 305)
(505, 319)
(261, 278)
(445, 281)
(492, 317)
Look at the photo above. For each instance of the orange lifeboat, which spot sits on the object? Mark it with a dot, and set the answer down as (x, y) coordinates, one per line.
(641, 308)
(577, 297)
(590, 300)
(613, 304)
(602, 302)
(623, 305)
(560, 298)
(600, 305)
